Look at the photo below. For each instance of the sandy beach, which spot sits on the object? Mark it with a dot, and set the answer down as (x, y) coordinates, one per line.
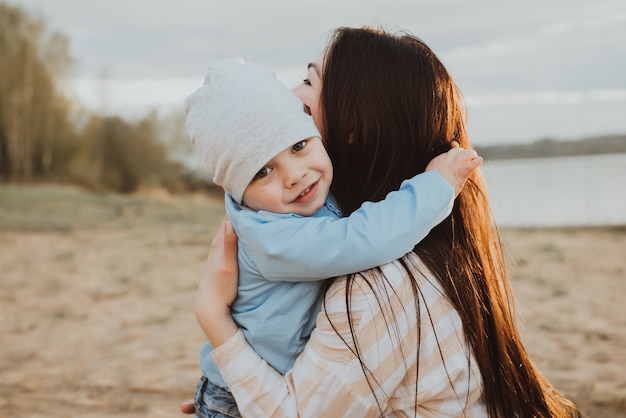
(96, 304)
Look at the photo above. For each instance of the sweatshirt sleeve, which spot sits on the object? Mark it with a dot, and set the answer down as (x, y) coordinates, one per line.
(296, 248)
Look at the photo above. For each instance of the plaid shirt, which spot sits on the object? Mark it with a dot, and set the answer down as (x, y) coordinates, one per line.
(327, 379)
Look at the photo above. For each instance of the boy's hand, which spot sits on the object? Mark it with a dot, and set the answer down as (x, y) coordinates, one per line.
(456, 165)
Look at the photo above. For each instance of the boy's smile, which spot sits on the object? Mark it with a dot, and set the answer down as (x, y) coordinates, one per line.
(307, 194)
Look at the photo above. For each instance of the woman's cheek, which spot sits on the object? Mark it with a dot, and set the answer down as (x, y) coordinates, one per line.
(300, 91)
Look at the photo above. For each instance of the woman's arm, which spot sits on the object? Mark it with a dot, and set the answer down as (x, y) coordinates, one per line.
(327, 378)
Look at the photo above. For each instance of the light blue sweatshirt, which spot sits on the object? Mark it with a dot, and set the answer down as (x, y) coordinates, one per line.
(284, 258)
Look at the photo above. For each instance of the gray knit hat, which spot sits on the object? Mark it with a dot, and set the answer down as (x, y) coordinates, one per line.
(240, 119)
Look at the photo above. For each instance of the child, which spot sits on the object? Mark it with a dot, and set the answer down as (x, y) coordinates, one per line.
(268, 156)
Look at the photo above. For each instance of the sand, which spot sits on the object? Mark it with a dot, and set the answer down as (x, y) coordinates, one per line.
(96, 314)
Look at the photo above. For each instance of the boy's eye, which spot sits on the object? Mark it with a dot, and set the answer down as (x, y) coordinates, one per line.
(263, 172)
(298, 146)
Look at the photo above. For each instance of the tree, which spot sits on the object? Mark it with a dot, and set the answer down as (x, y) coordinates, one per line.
(39, 140)
(33, 113)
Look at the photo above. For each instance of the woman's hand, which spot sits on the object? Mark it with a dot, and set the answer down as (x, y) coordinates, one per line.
(218, 287)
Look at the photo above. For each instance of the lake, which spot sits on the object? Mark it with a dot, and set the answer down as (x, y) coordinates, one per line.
(586, 190)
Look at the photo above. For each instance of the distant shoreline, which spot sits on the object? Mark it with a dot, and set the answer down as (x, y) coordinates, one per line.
(609, 144)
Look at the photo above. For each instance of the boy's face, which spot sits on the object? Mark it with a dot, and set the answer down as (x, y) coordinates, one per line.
(297, 180)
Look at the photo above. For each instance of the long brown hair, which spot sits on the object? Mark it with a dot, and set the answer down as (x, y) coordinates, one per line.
(389, 107)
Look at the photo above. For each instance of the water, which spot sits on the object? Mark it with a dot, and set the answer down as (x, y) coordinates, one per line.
(585, 190)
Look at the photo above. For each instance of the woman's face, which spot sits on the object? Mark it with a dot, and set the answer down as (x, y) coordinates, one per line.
(309, 91)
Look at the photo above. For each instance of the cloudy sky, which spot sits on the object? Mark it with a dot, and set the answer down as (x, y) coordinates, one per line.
(528, 70)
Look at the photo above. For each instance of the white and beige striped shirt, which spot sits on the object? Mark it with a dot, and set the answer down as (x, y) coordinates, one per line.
(327, 380)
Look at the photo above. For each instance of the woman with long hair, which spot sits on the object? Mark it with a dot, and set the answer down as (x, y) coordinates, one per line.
(431, 334)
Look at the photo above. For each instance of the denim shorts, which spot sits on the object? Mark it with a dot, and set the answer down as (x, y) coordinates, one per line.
(214, 401)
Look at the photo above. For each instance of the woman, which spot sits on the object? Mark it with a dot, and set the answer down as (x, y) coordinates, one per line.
(432, 334)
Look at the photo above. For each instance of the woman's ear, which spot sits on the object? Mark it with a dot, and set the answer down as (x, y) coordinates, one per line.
(351, 138)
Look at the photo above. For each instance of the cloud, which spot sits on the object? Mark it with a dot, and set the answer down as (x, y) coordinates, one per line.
(547, 97)
(120, 96)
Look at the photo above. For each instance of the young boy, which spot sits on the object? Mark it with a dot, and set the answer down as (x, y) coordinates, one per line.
(267, 155)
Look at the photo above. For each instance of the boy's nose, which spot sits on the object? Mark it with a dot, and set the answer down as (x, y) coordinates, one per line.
(294, 176)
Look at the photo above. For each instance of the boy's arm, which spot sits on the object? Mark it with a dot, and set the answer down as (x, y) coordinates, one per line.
(308, 248)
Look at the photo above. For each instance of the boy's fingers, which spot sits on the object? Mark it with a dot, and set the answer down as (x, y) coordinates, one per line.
(465, 156)
(468, 168)
(461, 152)
(470, 153)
